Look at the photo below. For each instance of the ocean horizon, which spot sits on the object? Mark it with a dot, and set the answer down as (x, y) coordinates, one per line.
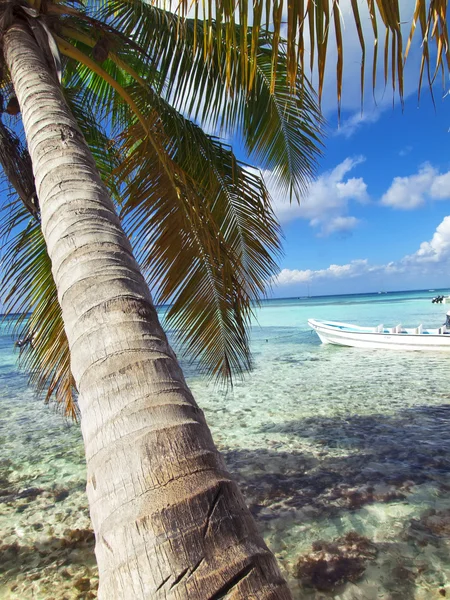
(342, 455)
(424, 291)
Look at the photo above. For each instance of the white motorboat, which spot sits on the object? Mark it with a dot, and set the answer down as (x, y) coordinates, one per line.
(396, 338)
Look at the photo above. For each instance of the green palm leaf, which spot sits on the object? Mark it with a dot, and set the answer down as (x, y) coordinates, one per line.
(209, 230)
(280, 124)
(321, 15)
(207, 235)
(209, 249)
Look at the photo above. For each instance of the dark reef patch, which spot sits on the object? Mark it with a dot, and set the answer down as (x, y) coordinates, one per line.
(332, 564)
(433, 528)
(15, 558)
(380, 458)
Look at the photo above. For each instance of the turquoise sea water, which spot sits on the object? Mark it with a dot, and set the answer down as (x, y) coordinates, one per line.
(343, 455)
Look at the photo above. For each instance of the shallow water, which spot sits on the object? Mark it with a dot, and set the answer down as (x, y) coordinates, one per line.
(343, 455)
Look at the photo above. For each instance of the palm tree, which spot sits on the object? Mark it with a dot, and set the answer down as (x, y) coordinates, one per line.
(160, 495)
(169, 521)
(281, 128)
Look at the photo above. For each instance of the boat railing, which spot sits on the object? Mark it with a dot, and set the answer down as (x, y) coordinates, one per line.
(378, 329)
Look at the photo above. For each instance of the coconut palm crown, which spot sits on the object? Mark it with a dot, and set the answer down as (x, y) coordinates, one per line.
(138, 81)
(142, 72)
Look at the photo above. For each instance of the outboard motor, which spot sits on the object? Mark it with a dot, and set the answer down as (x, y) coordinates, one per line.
(447, 320)
(28, 339)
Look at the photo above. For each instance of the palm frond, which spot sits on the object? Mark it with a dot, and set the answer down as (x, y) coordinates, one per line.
(16, 164)
(208, 230)
(209, 249)
(286, 137)
(280, 125)
(320, 15)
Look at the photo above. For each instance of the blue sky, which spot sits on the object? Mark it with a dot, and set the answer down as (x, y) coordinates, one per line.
(378, 215)
(381, 192)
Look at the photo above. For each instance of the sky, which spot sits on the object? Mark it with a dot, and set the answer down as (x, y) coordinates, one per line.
(377, 218)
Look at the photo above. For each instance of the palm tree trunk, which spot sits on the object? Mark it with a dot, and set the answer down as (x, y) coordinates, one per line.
(169, 521)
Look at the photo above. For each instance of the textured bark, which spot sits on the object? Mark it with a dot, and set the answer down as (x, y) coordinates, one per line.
(168, 519)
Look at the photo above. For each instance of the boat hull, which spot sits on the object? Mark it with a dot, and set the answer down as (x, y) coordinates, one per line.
(366, 337)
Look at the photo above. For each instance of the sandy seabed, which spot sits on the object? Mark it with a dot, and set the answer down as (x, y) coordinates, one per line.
(343, 456)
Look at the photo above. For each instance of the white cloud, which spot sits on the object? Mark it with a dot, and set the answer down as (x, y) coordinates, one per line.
(432, 258)
(405, 151)
(327, 201)
(440, 188)
(411, 192)
(348, 127)
(437, 250)
(290, 276)
(339, 225)
(356, 268)
(353, 269)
